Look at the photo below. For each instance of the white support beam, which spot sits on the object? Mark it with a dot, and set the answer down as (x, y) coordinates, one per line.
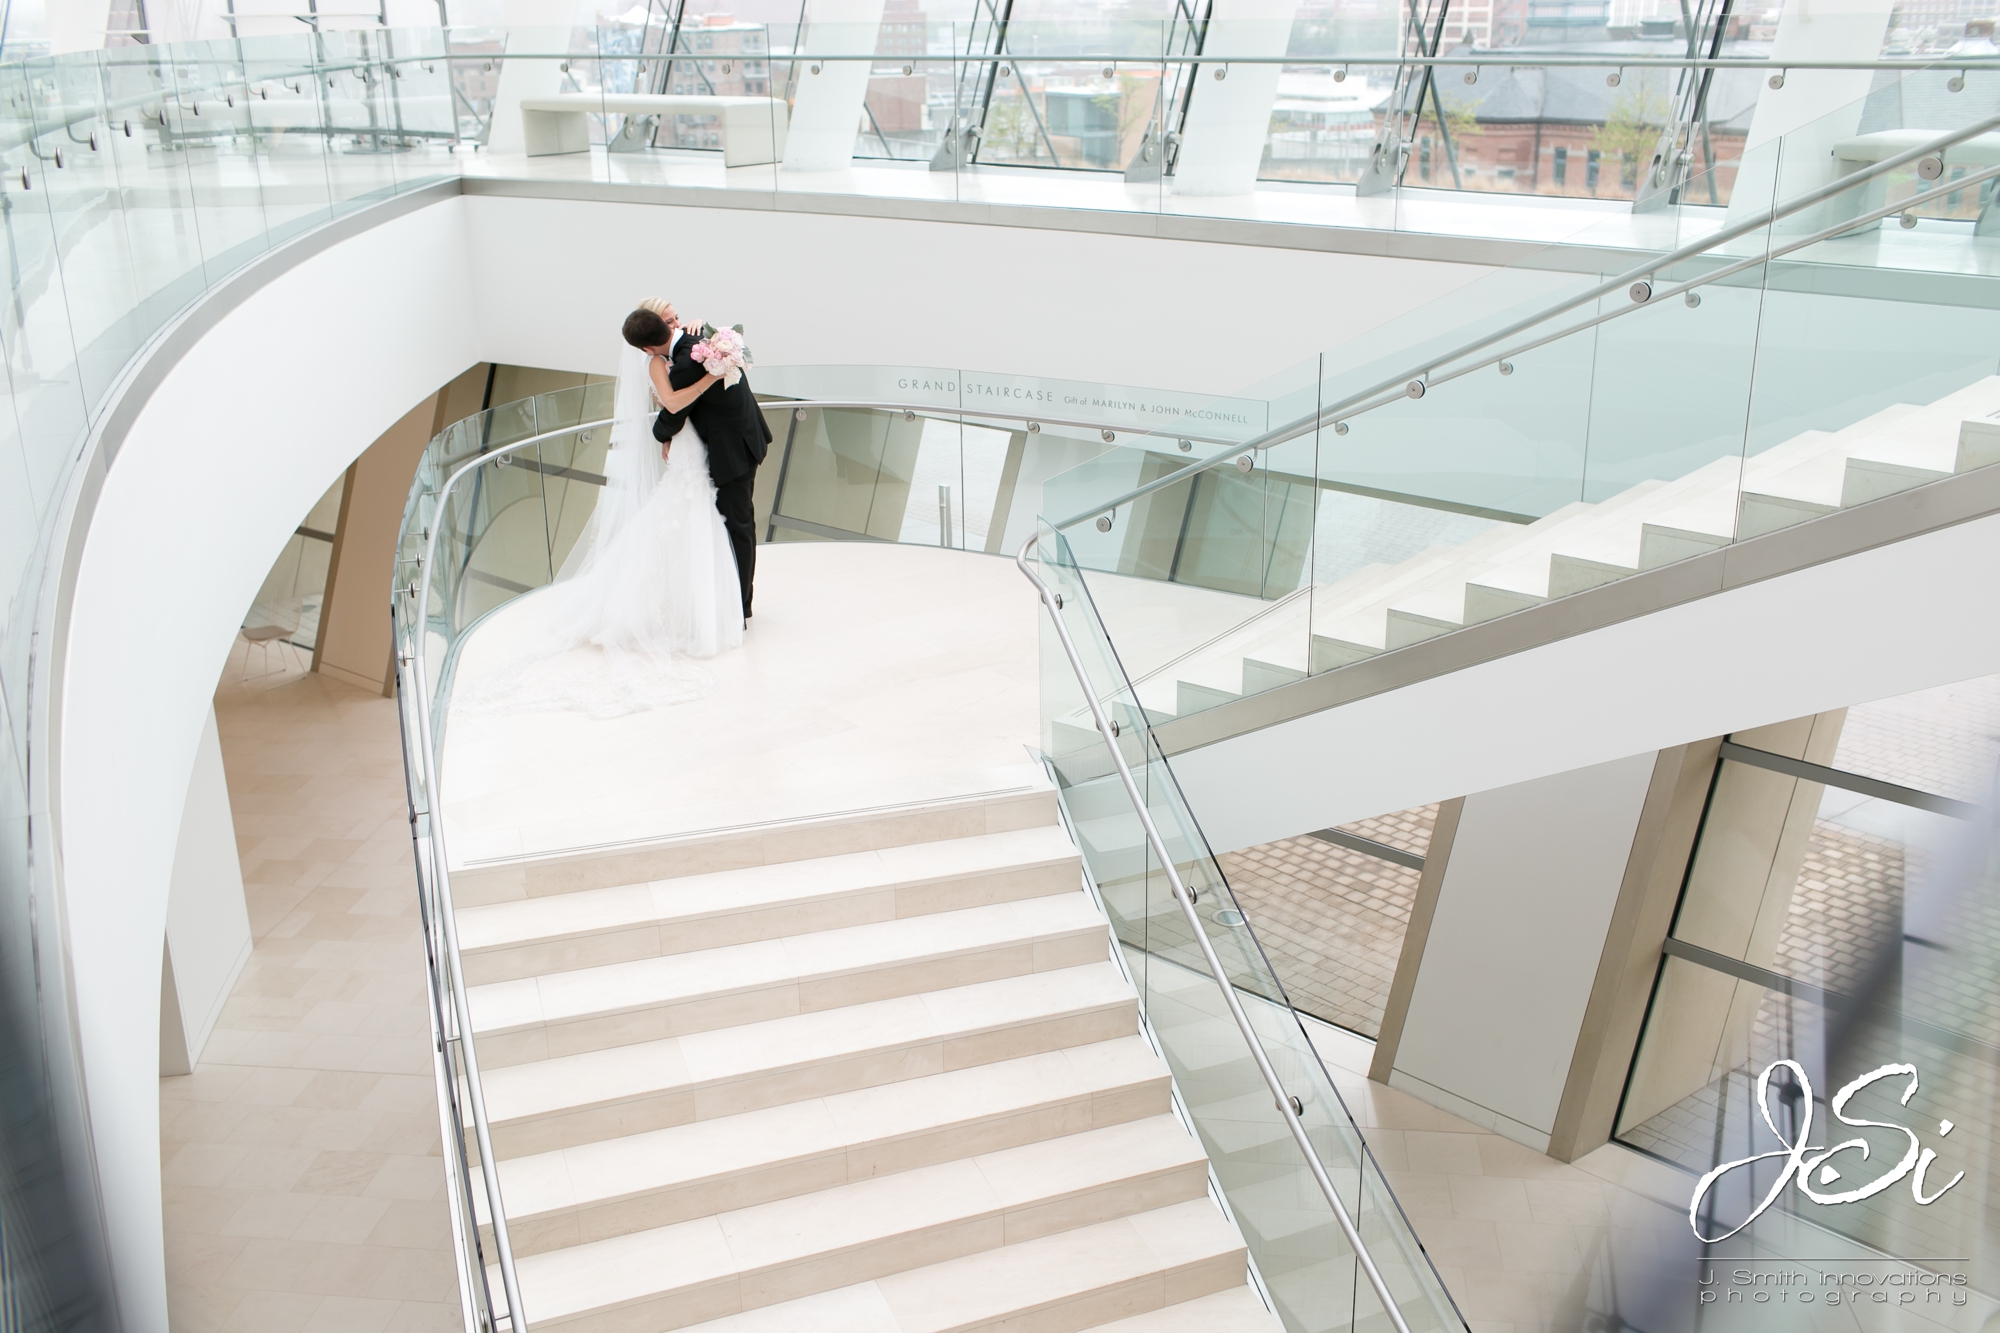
(1229, 118)
(1814, 109)
(826, 113)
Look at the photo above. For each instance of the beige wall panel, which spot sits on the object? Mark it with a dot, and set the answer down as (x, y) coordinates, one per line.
(354, 643)
(1738, 898)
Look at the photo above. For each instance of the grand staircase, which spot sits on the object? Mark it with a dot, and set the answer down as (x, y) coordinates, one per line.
(1511, 567)
(739, 1083)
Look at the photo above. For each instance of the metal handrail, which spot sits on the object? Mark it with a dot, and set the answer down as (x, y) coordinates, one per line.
(1527, 60)
(426, 746)
(451, 983)
(454, 980)
(1279, 1096)
(1416, 381)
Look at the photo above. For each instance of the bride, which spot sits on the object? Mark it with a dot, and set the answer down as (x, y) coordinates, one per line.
(650, 580)
(652, 573)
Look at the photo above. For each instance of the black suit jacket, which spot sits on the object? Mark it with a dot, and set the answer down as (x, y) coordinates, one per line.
(728, 418)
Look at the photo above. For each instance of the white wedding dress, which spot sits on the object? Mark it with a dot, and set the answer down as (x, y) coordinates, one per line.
(651, 581)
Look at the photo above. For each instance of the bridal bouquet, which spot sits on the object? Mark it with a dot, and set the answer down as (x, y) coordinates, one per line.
(722, 352)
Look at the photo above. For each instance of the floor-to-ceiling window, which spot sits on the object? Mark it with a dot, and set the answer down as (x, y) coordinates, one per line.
(1833, 952)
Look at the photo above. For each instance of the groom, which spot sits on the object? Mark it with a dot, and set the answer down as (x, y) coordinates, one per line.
(736, 434)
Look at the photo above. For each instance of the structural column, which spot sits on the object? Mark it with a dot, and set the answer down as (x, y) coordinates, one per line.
(535, 27)
(826, 112)
(1519, 894)
(208, 923)
(1229, 118)
(1815, 108)
(354, 642)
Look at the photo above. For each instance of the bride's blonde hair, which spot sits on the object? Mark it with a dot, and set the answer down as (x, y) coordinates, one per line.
(657, 304)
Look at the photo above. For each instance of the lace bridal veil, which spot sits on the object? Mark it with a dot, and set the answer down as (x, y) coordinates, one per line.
(632, 467)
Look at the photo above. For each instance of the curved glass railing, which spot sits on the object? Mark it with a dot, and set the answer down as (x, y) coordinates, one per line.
(137, 178)
(133, 181)
(1332, 1245)
(498, 502)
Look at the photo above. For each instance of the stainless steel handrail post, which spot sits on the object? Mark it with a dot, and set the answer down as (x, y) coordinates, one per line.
(1215, 968)
(447, 913)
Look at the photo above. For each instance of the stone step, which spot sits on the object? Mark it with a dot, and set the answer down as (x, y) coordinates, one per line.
(576, 1099)
(1758, 514)
(595, 1008)
(1260, 676)
(1871, 479)
(1233, 1310)
(504, 880)
(1329, 653)
(1518, 565)
(597, 1190)
(815, 1244)
(1588, 554)
(1192, 698)
(1660, 544)
(1183, 1257)
(591, 927)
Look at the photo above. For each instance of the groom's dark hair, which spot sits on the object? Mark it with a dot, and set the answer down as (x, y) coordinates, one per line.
(644, 329)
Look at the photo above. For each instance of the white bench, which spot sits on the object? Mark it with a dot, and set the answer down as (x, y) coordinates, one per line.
(753, 128)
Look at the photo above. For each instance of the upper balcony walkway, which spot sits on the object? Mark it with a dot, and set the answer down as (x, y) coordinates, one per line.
(1412, 222)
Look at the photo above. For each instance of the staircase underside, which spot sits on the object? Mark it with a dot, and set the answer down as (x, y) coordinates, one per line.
(1861, 603)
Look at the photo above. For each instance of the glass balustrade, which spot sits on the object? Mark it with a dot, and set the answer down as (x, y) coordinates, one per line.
(1058, 114)
(858, 472)
(134, 179)
(1300, 1251)
(1418, 491)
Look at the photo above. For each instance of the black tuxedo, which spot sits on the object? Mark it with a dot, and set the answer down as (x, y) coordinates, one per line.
(737, 437)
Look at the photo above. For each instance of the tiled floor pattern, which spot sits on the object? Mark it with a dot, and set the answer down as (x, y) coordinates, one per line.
(1945, 740)
(1847, 902)
(1332, 920)
(303, 1187)
(1523, 1243)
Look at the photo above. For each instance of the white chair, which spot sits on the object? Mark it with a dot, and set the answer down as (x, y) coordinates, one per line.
(276, 623)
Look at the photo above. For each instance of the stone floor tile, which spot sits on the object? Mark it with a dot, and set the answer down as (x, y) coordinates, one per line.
(316, 1086)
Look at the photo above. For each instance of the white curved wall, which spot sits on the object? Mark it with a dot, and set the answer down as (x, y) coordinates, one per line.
(259, 417)
(826, 289)
(242, 436)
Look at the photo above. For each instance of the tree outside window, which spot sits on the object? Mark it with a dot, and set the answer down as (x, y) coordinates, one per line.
(1638, 114)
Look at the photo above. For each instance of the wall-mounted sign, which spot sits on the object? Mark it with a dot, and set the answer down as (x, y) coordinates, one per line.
(1118, 407)
(1813, 1168)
